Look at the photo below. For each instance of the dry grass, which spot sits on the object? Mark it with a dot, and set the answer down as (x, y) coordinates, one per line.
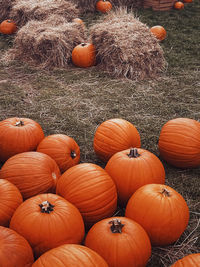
(5, 7)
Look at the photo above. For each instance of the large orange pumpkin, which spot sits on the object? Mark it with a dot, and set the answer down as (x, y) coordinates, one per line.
(159, 32)
(115, 135)
(18, 135)
(132, 168)
(161, 211)
(70, 255)
(84, 55)
(103, 6)
(179, 5)
(179, 142)
(32, 173)
(47, 221)
(120, 241)
(15, 251)
(8, 27)
(90, 189)
(62, 148)
(10, 199)
(191, 260)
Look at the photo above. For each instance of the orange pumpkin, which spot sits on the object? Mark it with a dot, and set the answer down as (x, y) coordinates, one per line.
(32, 173)
(18, 135)
(48, 221)
(90, 189)
(161, 211)
(10, 199)
(103, 6)
(120, 241)
(179, 142)
(80, 21)
(62, 148)
(8, 27)
(159, 32)
(14, 249)
(84, 55)
(179, 5)
(132, 168)
(191, 260)
(69, 255)
(115, 135)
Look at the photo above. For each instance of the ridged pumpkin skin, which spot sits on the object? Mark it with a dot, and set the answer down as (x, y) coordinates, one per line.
(46, 226)
(90, 189)
(10, 199)
(131, 169)
(84, 55)
(115, 135)
(62, 148)
(8, 27)
(18, 135)
(161, 211)
(120, 241)
(159, 32)
(69, 255)
(32, 173)
(15, 251)
(179, 143)
(103, 6)
(191, 260)
(179, 5)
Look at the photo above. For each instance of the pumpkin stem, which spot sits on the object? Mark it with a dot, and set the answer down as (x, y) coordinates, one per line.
(19, 123)
(133, 153)
(83, 44)
(116, 226)
(46, 207)
(166, 192)
(73, 154)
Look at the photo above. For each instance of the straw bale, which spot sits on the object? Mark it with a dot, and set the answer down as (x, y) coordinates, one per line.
(126, 47)
(25, 10)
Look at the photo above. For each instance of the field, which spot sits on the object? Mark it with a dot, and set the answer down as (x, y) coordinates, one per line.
(75, 101)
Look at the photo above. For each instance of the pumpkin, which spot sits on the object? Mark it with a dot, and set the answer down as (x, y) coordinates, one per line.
(84, 55)
(161, 211)
(47, 221)
(159, 32)
(191, 260)
(114, 135)
(69, 255)
(120, 241)
(62, 148)
(15, 251)
(179, 5)
(10, 199)
(179, 143)
(8, 27)
(103, 6)
(132, 168)
(90, 189)
(79, 21)
(32, 173)
(18, 135)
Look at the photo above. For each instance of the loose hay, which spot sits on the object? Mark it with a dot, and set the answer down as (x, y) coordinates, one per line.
(5, 7)
(126, 48)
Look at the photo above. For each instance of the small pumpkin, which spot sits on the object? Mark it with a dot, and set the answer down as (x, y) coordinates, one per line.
(103, 6)
(191, 260)
(84, 55)
(161, 211)
(80, 21)
(8, 27)
(159, 32)
(179, 5)
(69, 255)
(47, 221)
(120, 241)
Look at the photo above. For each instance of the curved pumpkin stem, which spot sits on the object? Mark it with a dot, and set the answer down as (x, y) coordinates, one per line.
(19, 123)
(73, 154)
(116, 226)
(46, 207)
(133, 153)
(166, 192)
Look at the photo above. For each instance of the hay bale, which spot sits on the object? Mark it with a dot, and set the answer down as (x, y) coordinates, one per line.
(24, 10)
(5, 7)
(126, 48)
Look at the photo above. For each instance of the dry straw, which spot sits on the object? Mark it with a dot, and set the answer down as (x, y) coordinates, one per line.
(5, 7)
(126, 48)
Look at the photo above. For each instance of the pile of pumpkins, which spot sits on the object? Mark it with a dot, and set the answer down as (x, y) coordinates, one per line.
(56, 211)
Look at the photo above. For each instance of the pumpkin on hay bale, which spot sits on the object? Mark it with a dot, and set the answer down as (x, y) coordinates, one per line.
(125, 47)
(5, 7)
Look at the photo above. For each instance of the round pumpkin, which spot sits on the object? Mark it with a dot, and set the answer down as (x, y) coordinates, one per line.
(159, 32)
(132, 168)
(69, 255)
(15, 251)
(18, 135)
(80, 21)
(48, 221)
(90, 189)
(32, 173)
(8, 27)
(179, 142)
(103, 6)
(179, 5)
(10, 199)
(84, 55)
(120, 241)
(191, 260)
(161, 211)
(62, 148)
(115, 135)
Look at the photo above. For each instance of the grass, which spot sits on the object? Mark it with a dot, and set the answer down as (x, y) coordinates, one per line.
(75, 101)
